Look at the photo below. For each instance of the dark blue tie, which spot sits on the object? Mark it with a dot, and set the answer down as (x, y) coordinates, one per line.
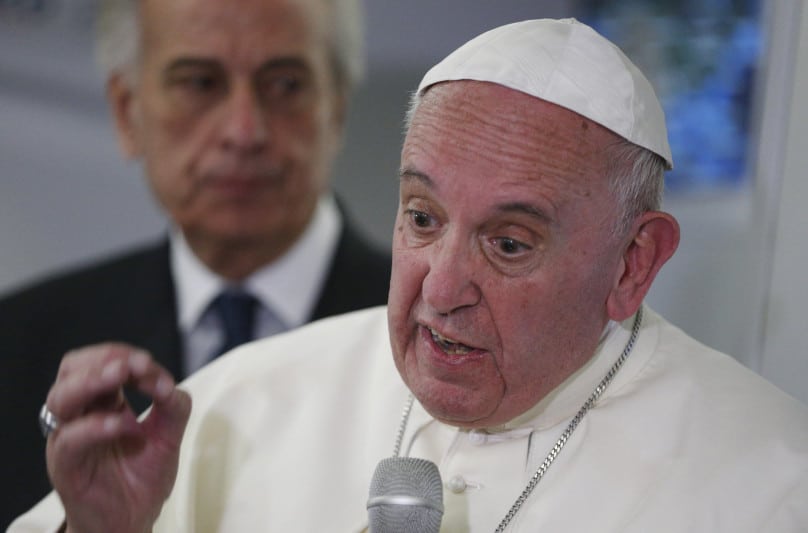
(236, 310)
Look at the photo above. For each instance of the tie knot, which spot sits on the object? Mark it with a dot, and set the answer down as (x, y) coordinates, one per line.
(236, 311)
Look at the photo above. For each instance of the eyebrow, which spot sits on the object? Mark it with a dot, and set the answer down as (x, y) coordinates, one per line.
(407, 174)
(527, 209)
(190, 62)
(285, 62)
(202, 62)
(531, 210)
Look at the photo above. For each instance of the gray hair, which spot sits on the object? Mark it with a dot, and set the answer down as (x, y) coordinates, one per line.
(636, 175)
(118, 40)
(117, 37)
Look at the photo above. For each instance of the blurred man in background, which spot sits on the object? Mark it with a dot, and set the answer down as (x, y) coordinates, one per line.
(236, 111)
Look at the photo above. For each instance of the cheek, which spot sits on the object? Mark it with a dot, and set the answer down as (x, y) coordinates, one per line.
(406, 276)
(167, 122)
(408, 271)
(312, 126)
(551, 328)
(170, 142)
(306, 143)
(527, 317)
(324, 145)
(167, 172)
(520, 322)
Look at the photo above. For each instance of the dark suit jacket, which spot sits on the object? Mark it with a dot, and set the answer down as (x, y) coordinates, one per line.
(128, 298)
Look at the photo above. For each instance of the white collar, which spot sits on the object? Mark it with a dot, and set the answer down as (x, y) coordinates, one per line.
(289, 286)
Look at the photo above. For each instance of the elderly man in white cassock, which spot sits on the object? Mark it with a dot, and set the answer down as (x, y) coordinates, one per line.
(515, 382)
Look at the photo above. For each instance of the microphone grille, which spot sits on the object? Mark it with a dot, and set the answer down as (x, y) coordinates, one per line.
(406, 496)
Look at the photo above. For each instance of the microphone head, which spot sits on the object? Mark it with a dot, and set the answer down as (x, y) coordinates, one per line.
(406, 496)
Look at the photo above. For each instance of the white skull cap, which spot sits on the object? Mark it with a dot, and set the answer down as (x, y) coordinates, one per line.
(567, 63)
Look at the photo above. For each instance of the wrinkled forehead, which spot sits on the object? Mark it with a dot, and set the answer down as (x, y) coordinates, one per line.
(488, 120)
(242, 35)
(180, 19)
(482, 124)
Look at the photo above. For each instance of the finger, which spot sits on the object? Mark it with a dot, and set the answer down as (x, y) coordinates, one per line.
(148, 377)
(73, 442)
(169, 416)
(79, 359)
(90, 377)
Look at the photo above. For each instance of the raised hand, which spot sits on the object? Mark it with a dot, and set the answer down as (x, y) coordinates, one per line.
(113, 472)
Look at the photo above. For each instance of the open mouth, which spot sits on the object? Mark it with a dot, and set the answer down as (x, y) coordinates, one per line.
(450, 346)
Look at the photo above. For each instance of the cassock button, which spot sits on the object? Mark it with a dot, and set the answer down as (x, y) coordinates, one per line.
(457, 484)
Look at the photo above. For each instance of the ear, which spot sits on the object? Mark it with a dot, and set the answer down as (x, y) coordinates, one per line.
(654, 239)
(123, 104)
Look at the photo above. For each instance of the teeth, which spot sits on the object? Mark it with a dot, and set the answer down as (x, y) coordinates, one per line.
(450, 346)
(438, 337)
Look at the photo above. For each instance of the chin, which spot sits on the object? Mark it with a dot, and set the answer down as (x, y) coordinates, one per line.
(463, 420)
(456, 406)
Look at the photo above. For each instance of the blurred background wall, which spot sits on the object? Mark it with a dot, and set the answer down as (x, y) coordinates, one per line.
(737, 282)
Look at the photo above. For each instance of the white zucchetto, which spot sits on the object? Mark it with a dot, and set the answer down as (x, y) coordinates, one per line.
(567, 63)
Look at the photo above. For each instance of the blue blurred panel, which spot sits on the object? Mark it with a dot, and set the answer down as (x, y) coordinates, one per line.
(702, 57)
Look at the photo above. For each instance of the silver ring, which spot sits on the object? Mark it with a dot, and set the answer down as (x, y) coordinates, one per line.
(48, 422)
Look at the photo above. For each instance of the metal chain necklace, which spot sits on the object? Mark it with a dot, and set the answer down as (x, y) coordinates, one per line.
(562, 440)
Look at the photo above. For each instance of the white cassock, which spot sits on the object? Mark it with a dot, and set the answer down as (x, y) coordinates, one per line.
(286, 432)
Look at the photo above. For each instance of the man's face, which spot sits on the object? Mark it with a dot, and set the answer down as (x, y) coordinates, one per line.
(235, 116)
(503, 253)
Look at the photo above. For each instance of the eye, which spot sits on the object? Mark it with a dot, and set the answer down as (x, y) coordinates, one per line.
(419, 218)
(287, 88)
(280, 86)
(420, 226)
(199, 83)
(516, 254)
(508, 246)
(194, 75)
(194, 85)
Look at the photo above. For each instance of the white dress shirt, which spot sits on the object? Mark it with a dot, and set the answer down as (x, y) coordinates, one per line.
(287, 289)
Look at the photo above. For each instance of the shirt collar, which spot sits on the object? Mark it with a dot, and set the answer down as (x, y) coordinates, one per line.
(289, 286)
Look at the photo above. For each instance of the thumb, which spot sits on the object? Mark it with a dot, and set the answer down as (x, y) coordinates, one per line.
(168, 416)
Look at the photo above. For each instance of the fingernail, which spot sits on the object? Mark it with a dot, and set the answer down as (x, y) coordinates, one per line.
(139, 361)
(111, 371)
(163, 387)
(110, 424)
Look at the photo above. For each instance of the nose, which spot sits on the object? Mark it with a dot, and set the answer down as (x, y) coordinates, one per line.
(450, 285)
(244, 129)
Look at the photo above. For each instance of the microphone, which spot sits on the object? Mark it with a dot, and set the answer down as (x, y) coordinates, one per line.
(406, 496)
